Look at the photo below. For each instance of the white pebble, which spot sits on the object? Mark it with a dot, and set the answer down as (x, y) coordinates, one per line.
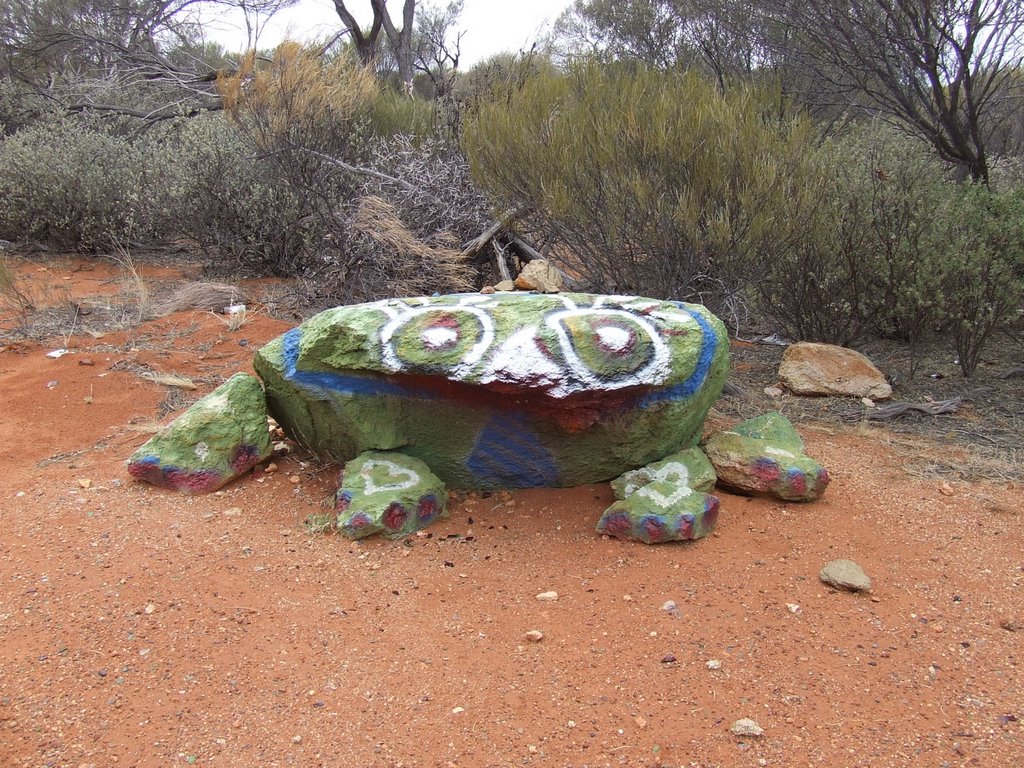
(746, 727)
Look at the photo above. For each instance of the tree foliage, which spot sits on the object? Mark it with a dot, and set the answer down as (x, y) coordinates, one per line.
(945, 70)
(942, 68)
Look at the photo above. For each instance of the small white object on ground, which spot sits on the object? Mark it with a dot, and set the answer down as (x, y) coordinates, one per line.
(746, 727)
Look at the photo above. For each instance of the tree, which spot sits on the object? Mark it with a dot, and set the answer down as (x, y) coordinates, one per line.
(437, 47)
(943, 69)
(142, 58)
(400, 40)
(365, 42)
(713, 35)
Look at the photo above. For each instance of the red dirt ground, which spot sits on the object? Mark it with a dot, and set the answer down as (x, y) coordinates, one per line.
(142, 628)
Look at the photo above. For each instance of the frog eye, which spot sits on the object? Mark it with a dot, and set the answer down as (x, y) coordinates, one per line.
(437, 338)
(606, 345)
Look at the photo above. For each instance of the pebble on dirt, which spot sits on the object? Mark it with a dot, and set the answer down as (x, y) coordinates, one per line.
(746, 727)
(845, 574)
(547, 597)
(534, 635)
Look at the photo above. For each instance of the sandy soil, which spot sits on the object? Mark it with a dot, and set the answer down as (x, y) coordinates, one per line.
(143, 628)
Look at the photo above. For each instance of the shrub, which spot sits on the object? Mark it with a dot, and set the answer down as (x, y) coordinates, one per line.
(70, 185)
(359, 215)
(868, 264)
(983, 275)
(898, 249)
(230, 201)
(405, 239)
(656, 182)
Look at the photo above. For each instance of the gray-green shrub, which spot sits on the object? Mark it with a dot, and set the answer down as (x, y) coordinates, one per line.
(866, 265)
(71, 185)
(898, 249)
(657, 183)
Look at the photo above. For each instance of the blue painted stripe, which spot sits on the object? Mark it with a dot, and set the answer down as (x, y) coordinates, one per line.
(345, 384)
(508, 453)
(709, 345)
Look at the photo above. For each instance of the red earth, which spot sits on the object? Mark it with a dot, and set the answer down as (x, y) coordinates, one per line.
(139, 627)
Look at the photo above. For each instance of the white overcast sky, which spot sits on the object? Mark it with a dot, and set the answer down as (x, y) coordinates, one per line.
(491, 26)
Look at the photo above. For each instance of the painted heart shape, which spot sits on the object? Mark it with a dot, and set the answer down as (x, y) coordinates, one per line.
(396, 479)
(673, 474)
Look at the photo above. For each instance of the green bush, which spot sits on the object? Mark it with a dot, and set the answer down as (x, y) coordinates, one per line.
(230, 201)
(983, 274)
(899, 250)
(868, 262)
(70, 185)
(655, 182)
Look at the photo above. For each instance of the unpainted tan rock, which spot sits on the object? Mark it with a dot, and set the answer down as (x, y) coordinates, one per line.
(825, 369)
(505, 285)
(539, 275)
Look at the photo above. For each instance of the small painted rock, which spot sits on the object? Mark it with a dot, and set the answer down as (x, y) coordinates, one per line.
(508, 390)
(218, 438)
(689, 467)
(661, 511)
(765, 456)
(388, 493)
(664, 501)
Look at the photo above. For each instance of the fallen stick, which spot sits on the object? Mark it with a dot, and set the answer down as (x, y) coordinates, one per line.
(893, 410)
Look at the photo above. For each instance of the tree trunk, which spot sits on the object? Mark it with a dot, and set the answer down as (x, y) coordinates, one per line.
(366, 43)
(400, 39)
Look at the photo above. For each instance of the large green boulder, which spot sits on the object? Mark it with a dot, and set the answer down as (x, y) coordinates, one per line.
(503, 390)
(388, 493)
(668, 500)
(218, 438)
(765, 456)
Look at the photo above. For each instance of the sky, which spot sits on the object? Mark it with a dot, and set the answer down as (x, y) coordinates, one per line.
(491, 26)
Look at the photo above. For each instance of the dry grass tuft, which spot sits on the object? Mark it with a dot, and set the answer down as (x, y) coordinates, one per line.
(411, 266)
(208, 297)
(170, 380)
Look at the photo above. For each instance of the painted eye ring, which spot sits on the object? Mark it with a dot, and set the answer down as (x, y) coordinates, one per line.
(437, 338)
(601, 346)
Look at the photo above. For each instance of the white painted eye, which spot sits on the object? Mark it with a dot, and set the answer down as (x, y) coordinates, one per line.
(614, 338)
(437, 338)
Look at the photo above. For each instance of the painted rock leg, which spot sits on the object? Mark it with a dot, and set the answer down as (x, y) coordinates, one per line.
(765, 455)
(220, 437)
(388, 493)
(665, 501)
(500, 391)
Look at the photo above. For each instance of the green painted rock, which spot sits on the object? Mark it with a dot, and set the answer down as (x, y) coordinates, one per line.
(664, 501)
(690, 467)
(766, 456)
(504, 390)
(220, 437)
(388, 493)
